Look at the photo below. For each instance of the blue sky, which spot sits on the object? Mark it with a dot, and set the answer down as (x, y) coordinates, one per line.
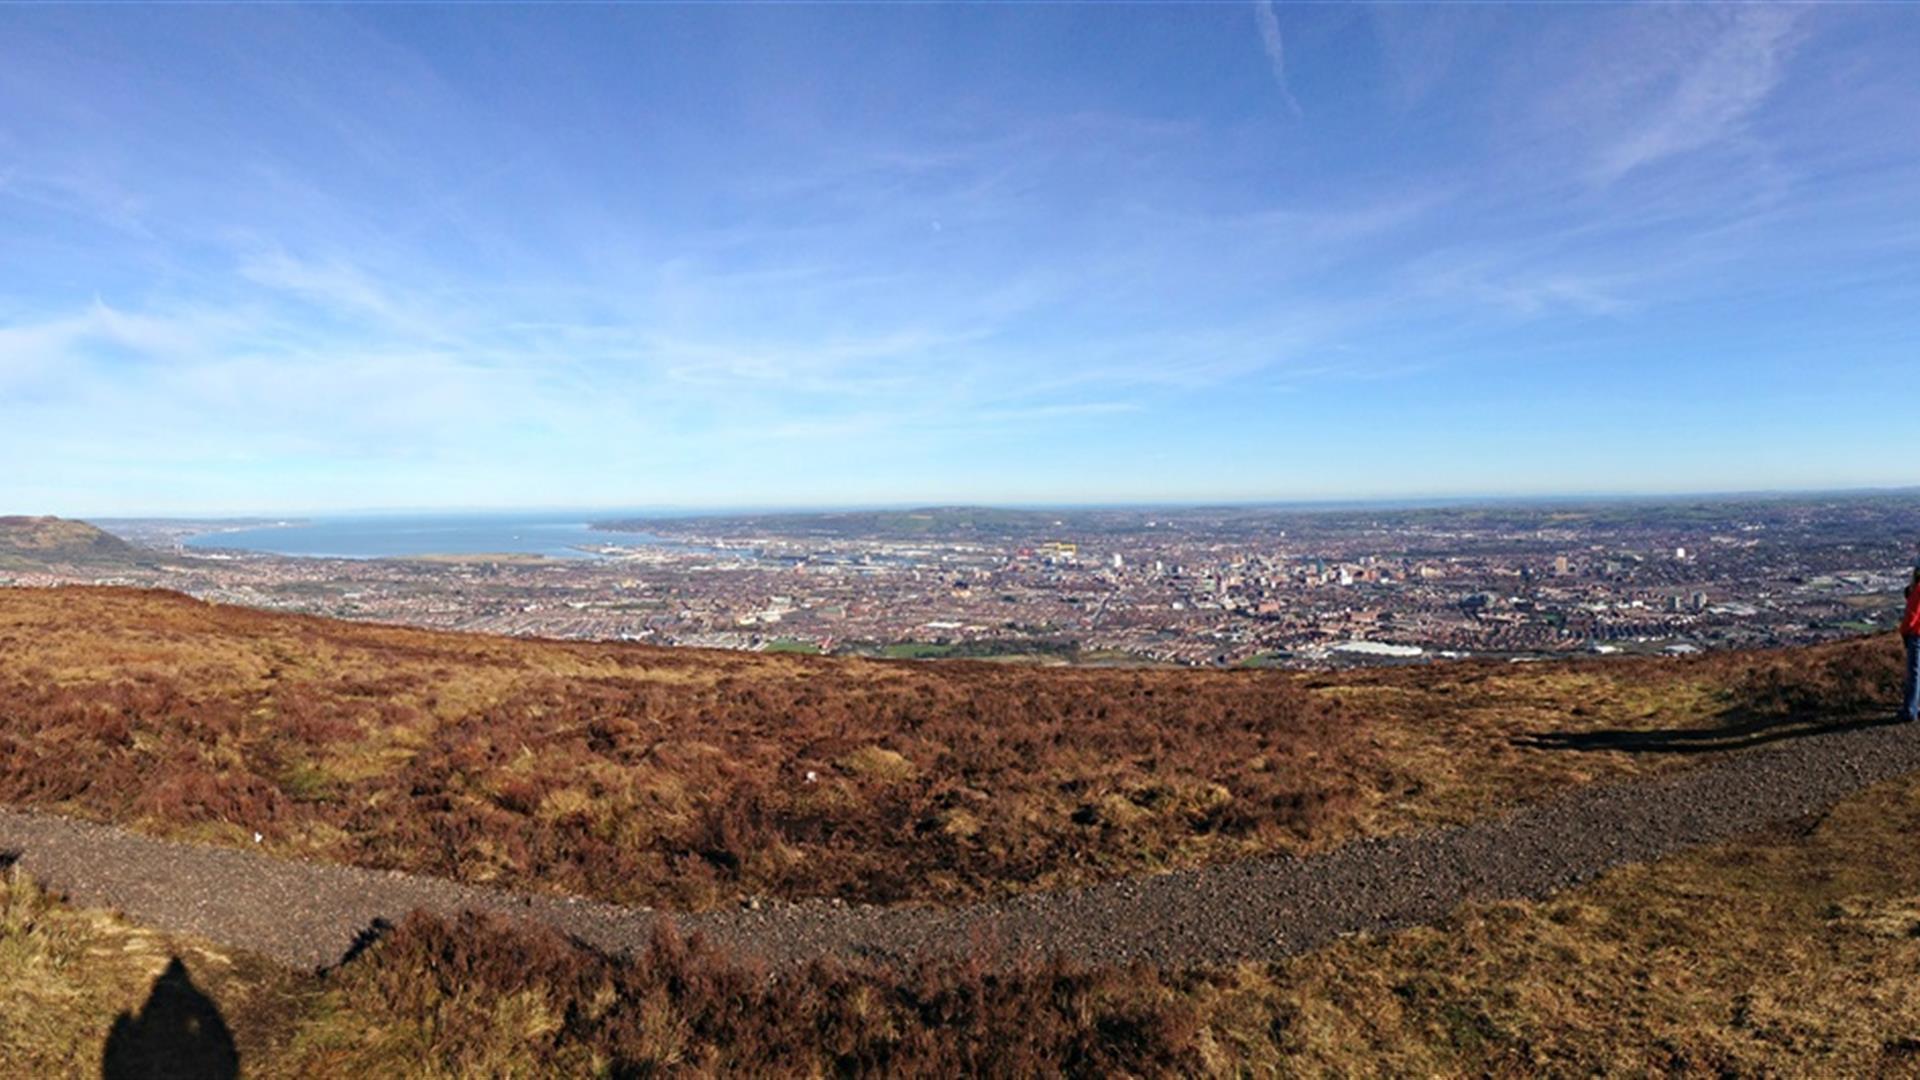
(308, 258)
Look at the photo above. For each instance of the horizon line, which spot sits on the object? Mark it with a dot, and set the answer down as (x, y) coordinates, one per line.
(1253, 503)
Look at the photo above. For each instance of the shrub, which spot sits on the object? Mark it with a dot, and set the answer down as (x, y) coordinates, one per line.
(683, 1007)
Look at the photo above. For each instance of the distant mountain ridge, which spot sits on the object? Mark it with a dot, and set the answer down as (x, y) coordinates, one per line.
(44, 543)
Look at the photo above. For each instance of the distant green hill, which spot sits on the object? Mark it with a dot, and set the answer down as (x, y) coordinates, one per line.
(41, 543)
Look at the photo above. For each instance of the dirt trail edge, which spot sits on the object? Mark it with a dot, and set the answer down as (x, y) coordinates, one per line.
(310, 913)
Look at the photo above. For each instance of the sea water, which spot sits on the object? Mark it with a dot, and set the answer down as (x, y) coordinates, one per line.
(387, 536)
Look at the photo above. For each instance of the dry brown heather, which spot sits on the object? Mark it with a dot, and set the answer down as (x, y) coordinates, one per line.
(1790, 953)
(681, 777)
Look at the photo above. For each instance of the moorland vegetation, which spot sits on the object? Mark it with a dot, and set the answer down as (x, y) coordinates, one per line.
(1787, 953)
(690, 778)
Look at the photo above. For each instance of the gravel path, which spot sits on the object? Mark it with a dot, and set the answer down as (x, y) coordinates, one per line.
(310, 913)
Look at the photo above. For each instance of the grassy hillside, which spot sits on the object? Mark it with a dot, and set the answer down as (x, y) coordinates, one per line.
(40, 543)
(1790, 953)
(692, 778)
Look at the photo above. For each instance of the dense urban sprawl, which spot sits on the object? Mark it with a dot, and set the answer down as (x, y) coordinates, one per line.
(1193, 587)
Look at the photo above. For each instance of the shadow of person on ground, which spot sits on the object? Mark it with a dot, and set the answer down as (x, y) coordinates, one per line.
(1739, 732)
(178, 1033)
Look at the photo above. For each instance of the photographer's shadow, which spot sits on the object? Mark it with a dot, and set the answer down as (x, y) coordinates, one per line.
(179, 1032)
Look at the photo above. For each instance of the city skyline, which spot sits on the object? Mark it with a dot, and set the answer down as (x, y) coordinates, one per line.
(1219, 586)
(345, 258)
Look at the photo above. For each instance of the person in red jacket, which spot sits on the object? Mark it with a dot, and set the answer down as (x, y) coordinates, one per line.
(1910, 634)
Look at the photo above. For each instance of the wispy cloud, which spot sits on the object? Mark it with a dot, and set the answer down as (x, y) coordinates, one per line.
(1713, 96)
(1664, 84)
(1276, 49)
(83, 196)
(335, 285)
(52, 349)
(1525, 292)
(1057, 412)
(914, 275)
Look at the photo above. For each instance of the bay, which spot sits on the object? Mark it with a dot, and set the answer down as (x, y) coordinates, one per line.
(388, 536)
